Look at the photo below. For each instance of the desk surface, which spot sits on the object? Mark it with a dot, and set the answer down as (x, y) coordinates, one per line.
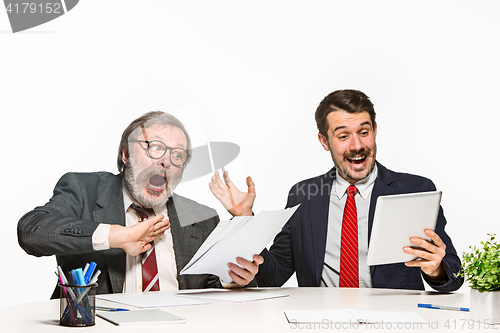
(268, 315)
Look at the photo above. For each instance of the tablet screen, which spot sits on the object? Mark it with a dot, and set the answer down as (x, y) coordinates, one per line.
(397, 218)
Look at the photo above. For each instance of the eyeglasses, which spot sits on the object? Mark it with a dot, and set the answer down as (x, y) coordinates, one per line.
(156, 149)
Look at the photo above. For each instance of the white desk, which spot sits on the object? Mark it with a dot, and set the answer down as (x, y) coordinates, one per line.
(268, 315)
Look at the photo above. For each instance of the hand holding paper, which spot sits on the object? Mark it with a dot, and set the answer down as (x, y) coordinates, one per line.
(240, 237)
(244, 272)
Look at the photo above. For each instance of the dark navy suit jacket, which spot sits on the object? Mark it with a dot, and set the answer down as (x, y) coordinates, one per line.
(301, 244)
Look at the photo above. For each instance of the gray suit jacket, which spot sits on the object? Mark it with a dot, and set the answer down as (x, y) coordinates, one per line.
(81, 201)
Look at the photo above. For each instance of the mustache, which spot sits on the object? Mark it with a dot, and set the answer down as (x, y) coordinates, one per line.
(147, 173)
(363, 152)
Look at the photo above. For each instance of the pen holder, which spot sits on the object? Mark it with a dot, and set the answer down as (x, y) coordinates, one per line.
(77, 305)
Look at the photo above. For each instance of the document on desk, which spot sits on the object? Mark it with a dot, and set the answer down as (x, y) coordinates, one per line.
(150, 300)
(141, 317)
(240, 237)
(352, 316)
(239, 295)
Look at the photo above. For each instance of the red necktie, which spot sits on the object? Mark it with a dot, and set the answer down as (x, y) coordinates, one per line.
(349, 275)
(150, 278)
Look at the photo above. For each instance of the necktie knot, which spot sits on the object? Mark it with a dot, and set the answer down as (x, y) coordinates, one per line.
(144, 213)
(352, 190)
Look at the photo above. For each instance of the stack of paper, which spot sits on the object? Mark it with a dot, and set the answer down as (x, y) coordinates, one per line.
(239, 237)
(141, 317)
(149, 300)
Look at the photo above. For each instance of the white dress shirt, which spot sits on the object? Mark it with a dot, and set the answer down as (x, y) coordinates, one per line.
(164, 248)
(330, 276)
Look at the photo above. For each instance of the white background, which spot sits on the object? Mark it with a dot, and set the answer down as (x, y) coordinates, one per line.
(251, 73)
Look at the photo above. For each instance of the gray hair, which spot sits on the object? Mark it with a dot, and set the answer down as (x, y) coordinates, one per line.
(146, 120)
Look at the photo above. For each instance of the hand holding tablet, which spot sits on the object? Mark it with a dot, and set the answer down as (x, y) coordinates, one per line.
(399, 218)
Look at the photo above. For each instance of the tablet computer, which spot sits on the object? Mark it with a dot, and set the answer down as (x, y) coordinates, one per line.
(397, 218)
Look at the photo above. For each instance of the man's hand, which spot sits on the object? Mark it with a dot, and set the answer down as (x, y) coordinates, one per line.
(245, 274)
(135, 240)
(236, 202)
(431, 263)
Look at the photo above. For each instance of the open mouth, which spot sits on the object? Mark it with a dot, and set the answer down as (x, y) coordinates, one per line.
(157, 182)
(358, 160)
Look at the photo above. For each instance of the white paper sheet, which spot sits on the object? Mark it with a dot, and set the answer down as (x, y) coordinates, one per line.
(141, 317)
(231, 295)
(240, 237)
(150, 300)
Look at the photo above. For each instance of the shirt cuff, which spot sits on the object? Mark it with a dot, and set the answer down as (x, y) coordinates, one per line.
(100, 237)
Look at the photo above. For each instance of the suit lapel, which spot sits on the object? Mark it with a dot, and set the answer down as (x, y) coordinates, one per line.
(320, 206)
(111, 211)
(382, 186)
(110, 202)
(175, 228)
(186, 236)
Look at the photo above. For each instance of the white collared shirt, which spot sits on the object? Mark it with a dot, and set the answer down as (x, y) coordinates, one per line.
(164, 248)
(338, 196)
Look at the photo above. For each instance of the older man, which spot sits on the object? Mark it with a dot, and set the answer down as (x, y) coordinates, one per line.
(94, 216)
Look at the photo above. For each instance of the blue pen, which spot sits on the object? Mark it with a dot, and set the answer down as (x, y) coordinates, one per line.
(81, 282)
(74, 277)
(104, 308)
(89, 272)
(78, 279)
(79, 275)
(441, 307)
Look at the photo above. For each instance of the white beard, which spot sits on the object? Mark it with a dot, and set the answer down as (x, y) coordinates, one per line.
(134, 176)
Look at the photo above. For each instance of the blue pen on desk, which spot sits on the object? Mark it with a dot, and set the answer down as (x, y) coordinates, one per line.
(104, 308)
(441, 307)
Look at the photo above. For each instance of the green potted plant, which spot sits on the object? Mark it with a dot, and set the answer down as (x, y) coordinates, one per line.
(481, 268)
